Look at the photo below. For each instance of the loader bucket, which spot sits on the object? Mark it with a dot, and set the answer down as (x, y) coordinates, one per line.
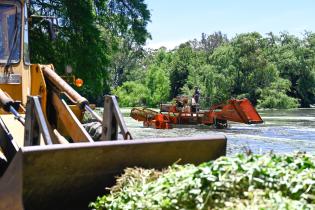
(72, 175)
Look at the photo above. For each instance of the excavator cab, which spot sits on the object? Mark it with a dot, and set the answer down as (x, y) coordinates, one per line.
(10, 19)
(48, 158)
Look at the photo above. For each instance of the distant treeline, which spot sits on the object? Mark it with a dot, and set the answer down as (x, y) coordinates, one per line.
(273, 71)
(103, 42)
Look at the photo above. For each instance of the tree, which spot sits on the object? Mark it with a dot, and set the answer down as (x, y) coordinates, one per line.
(275, 96)
(88, 42)
(158, 85)
(214, 86)
(272, 71)
(295, 60)
(131, 94)
(180, 67)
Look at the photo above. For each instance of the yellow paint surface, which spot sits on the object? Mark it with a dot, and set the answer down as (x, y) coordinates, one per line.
(15, 127)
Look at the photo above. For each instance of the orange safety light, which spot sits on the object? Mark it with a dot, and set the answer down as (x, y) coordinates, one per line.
(78, 82)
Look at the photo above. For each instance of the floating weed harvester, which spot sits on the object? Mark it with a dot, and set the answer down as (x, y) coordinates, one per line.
(173, 115)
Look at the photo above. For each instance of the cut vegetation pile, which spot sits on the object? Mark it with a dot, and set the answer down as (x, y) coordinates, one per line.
(243, 182)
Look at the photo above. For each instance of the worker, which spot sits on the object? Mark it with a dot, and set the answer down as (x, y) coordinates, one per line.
(196, 95)
(195, 101)
(186, 107)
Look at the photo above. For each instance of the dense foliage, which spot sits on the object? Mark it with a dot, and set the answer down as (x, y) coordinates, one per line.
(243, 182)
(272, 71)
(103, 42)
(96, 37)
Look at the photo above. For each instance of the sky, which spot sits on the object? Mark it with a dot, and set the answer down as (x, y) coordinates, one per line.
(176, 21)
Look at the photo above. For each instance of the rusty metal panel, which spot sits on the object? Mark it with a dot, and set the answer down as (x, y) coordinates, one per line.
(72, 175)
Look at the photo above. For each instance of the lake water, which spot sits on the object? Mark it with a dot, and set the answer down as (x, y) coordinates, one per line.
(283, 131)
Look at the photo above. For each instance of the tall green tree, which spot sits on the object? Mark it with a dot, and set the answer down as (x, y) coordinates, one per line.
(158, 84)
(272, 71)
(90, 33)
(275, 96)
(131, 94)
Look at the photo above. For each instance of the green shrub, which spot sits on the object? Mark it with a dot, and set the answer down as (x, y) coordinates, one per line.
(131, 94)
(158, 85)
(275, 96)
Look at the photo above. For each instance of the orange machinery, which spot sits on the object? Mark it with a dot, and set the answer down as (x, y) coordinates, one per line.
(171, 115)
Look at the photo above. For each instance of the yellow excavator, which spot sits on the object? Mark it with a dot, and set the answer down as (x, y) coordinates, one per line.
(49, 159)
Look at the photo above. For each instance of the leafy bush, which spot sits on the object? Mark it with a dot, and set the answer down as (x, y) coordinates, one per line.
(243, 182)
(131, 94)
(150, 91)
(215, 87)
(249, 65)
(158, 85)
(275, 96)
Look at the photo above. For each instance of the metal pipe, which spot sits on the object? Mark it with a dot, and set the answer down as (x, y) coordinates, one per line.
(74, 95)
(96, 116)
(7, 104)
(5, 101)
(64, 87)
(17, 115)
(43, 16)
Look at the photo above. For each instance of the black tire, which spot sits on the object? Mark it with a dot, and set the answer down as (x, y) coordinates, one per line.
(220, 124)
(94, 129)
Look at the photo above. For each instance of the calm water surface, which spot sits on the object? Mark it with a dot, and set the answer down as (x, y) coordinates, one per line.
(283, 131)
